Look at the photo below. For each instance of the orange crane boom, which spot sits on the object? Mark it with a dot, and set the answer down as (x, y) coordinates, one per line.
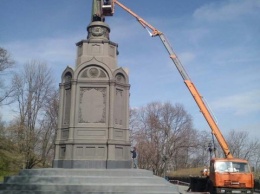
(194, 92)
(227, 175)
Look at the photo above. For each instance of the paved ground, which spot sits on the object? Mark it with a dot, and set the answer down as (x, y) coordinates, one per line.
(183, 189)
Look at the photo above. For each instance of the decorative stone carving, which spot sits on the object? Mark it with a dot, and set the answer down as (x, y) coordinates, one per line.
(98, 30)
(93, 72)
(92, 105)
(67, 78)
(102, 74)
(120, 78)
(85, 74)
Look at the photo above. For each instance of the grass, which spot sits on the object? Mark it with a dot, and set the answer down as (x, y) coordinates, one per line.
(196, 172)
(186, 172)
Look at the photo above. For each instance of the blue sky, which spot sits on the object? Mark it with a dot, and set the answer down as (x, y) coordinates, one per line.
(218, 43)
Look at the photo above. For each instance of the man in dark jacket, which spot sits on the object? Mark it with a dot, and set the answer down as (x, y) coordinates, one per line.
(134, 157)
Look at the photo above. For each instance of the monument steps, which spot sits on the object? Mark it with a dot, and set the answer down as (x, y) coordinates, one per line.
(79, 181)
(85, 172)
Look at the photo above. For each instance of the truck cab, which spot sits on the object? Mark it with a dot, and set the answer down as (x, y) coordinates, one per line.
(230, 176)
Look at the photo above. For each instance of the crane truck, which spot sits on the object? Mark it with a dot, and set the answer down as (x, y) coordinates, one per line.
(226, 175)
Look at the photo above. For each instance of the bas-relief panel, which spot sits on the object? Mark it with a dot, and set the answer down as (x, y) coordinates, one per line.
(67, 102)
(92, 105)
(119, 107)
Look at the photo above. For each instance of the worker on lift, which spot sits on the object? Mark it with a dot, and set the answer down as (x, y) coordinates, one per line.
(100, 9)
(205, 171)
(107, 8)
(106, 2)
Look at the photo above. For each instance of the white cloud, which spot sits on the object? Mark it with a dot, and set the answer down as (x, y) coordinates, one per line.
(241, 104)
(228, 10)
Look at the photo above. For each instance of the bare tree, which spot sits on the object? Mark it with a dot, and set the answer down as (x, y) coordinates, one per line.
(48, 128)
(133, 123)
(239, 143)
(33, 88)
(6, 62)
(255, 160)
(241, 146)
(199, 151)
(163, 136)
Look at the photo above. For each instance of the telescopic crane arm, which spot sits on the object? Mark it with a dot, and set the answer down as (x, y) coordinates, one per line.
(194, 92)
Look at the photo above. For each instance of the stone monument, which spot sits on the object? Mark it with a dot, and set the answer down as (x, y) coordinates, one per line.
(92, 148)
(93, 124)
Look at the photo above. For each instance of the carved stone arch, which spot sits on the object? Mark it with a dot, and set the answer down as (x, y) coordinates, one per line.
(65, 92)
(67, 75)
(93, 71)
(93, 62)
(121, 76)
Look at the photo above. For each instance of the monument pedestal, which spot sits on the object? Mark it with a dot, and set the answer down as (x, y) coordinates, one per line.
(92, 181)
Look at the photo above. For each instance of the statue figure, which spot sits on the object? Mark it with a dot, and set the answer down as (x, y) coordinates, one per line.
(100, 9)
(97, 11)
